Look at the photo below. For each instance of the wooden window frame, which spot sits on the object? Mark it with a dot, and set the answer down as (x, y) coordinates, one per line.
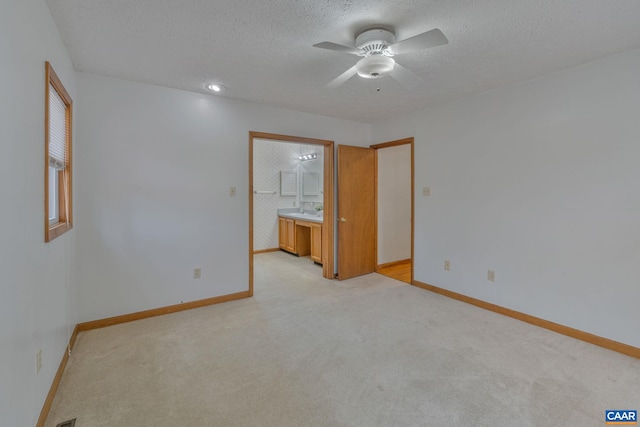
(65, 199)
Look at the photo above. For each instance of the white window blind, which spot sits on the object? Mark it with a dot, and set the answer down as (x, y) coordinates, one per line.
(57, 130)
(53, 196)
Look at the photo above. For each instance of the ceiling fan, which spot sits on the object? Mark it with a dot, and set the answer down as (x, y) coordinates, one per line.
(377, 46)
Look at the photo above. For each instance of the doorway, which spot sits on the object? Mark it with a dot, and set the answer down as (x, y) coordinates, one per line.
(395, 201)
(326, 232)
(375, 210)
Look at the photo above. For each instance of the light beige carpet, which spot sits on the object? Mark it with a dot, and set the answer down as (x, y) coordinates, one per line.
(369, 351)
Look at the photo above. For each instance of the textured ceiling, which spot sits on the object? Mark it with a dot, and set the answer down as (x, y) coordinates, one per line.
(262, 50)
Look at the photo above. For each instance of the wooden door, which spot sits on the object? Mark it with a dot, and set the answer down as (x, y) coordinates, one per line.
(356, 211)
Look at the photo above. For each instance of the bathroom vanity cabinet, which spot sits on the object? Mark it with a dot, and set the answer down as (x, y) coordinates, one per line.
(287, 234)
(301, 237)
(316, 242)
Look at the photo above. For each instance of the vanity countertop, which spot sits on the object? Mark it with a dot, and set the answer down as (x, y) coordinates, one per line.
(306, 216)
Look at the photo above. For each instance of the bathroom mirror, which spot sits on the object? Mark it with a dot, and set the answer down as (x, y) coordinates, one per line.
(310, 184)
(288, 183)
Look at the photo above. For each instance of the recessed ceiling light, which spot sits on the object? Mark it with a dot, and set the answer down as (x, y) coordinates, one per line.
(215, 87)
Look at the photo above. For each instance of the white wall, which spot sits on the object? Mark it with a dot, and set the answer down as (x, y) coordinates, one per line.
(539, 182)
(37, 307)
(394, 203)
(153, 177)
(269, 158)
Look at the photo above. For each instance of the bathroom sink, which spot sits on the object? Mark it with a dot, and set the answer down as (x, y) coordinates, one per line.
(303, 216)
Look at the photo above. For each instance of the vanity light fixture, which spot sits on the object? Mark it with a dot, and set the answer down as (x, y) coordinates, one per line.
(310, 156)
(215, 87)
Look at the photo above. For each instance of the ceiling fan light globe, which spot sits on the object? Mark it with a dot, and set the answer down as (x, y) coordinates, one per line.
(373, 67)
(215, 87)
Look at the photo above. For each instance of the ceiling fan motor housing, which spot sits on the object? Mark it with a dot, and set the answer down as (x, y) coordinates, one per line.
(375, 42)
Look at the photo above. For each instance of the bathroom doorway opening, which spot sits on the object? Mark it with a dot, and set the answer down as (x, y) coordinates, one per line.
(287, 190)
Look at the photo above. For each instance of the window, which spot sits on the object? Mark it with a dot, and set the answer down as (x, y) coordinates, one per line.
(57, 174)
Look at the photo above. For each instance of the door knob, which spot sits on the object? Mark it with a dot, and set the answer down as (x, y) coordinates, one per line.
(343, 219)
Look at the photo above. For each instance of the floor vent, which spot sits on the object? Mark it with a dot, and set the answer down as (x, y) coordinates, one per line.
(70, 423)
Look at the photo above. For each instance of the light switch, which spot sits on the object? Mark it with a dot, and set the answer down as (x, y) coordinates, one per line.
(426, 191)
(232, 191)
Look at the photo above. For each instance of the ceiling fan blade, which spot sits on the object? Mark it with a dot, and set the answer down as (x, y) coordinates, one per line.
(338, 47)
(406, 78)
(342, 78)
(426, 40)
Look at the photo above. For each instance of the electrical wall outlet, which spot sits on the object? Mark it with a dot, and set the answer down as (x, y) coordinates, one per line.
(197, 273)
(491, 276)
(232, 191)
(426, 191)
(38, 361)
(447, 265)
